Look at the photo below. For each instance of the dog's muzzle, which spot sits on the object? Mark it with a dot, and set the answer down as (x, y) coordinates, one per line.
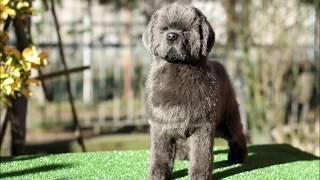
(173, 57)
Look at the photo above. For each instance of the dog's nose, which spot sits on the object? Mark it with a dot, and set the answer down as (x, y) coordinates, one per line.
(172, 36)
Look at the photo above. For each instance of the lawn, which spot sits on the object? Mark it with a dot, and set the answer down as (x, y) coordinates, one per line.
(264, 162)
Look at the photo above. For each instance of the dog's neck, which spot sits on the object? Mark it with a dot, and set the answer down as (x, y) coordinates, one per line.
(203, 61)
(198, 63)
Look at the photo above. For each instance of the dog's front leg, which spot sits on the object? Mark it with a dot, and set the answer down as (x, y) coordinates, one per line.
(162, 155)
(201, 154)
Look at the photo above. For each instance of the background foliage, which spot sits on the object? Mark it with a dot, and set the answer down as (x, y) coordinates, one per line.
(269, 48)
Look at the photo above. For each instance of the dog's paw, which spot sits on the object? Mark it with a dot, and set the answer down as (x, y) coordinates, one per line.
(159, 173)
(205, 176)
(159, 176)
(238, 155)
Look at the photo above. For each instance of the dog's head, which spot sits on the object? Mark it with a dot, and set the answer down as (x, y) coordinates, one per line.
(179, 34)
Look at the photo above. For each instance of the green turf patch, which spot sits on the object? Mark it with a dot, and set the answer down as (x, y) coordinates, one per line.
(264, 162)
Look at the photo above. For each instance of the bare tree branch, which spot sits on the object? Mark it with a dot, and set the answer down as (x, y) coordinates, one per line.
(65, 67)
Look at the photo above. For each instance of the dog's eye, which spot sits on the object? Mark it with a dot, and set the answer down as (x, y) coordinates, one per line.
(165, 28)
(184, 30)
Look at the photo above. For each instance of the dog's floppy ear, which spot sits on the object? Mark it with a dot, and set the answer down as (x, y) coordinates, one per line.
(147, 35)
(206, 33)
(208, 37)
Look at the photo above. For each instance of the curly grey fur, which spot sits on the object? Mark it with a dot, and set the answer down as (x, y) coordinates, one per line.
(149, 6)
(188, 99)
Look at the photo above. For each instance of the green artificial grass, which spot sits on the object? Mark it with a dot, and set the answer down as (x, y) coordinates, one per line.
(264, 162)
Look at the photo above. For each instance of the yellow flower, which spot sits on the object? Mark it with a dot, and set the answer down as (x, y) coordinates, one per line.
(16, 72)
(12, 51)
(26, 92)
(32, 81)
(25, 65)
(4, 38)
(6, 86)
(30, 54)
(4, 2)
(9, 61)
(9, 85)
(2, 69)
(6, 90)
(8, 81)
(17, 84)
(6, 11)
(23, 4)
(43, 58)
(3, 73)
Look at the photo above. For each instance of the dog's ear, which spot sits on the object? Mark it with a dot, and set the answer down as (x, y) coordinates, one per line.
(147, 35)
(208, 37)
(206, 33)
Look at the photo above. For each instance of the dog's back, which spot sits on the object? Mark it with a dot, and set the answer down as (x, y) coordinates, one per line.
(229, 124)
(226, 91)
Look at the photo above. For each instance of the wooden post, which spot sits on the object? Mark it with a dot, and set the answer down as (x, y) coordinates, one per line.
(127, 63)
(87, 86)
(317, 35)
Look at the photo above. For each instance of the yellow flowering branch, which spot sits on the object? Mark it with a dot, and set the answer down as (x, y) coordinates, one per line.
(13, 8)
(16, 66)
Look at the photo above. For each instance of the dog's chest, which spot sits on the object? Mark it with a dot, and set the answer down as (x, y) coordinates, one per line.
(183, 95)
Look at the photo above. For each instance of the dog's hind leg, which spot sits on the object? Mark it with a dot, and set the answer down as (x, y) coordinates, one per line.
(234, 134)
(162, 155)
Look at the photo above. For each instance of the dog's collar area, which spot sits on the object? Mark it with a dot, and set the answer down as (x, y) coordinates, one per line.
(181, 62)
(202, 62)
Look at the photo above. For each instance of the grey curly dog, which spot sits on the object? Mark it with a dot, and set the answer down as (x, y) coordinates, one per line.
(189, 99)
